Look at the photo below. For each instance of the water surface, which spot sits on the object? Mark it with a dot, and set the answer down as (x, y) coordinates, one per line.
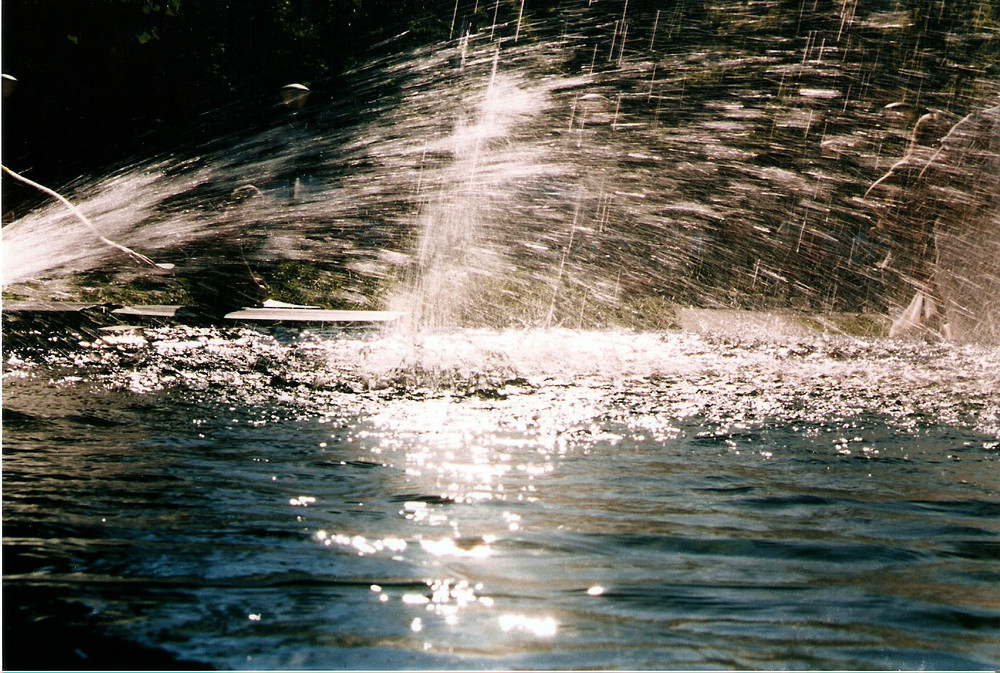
(503, 499)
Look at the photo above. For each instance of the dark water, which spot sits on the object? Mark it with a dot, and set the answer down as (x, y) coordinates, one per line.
(490, 499)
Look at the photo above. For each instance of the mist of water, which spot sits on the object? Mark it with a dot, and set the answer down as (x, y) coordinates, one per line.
(586, 166)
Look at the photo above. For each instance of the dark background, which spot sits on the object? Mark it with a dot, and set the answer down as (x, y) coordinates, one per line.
(101, 81)
(105, 81)
(108, 83)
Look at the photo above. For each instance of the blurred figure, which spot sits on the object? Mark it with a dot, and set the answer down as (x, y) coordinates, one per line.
(943, 217)
(222, 280)
(308, 154)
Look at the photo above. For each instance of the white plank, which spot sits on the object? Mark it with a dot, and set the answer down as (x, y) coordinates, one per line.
(312, 315)
(48, 307)
(152, 311)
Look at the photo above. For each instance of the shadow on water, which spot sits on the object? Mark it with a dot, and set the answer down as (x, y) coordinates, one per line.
(41, 630)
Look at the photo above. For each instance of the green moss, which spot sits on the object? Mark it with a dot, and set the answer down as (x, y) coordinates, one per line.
(850, 324)
(864, 325)
(139, 291)
(301, 283)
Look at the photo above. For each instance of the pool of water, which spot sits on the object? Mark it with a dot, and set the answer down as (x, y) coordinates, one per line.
(500, 499)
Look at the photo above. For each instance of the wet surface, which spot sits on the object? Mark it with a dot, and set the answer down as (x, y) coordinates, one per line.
(498, 499)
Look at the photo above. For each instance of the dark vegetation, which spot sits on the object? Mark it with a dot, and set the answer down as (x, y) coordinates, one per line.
(103, 81)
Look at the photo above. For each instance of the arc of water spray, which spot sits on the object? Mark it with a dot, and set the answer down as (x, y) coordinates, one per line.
(83, 218)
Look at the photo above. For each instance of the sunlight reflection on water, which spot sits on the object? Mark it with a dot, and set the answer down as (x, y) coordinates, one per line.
(499, 498)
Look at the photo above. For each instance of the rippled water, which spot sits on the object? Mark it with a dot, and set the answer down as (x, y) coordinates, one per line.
(503, 499)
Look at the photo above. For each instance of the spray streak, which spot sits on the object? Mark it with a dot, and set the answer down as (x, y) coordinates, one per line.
(725, 165)
(83, 218)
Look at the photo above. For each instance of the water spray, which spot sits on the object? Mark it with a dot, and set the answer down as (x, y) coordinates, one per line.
(83, 218)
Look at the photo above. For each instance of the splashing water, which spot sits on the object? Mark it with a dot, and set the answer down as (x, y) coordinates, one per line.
(743, 492)
(87, 223)
(584, 168)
